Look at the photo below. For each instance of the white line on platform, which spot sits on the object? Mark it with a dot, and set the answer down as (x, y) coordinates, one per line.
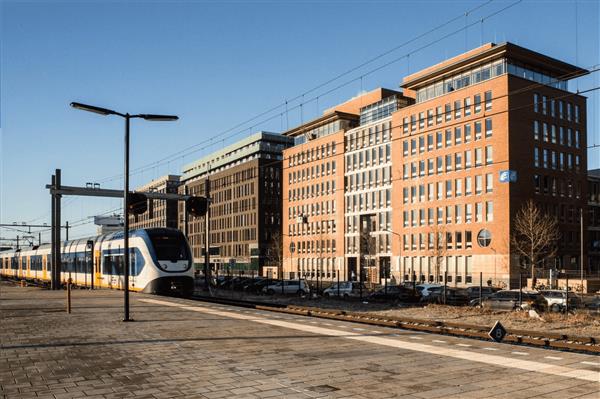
(464, 345)
(439, 341)
(491, 349)
(520, 353)
(376, 332)
(494, 360)
(592, 363)
(358, 329)
(415, 337)
(553, 357)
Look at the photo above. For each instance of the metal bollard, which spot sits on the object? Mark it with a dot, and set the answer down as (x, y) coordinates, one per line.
(69, 281)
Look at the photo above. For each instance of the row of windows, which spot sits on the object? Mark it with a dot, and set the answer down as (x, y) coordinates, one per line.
(370, 157)
(554, 186)
(447, 189)
(314, 190)
(472, 76)
(316, 246)
(232, 207)
(447, 138)
(315, 208)
(444, 240)
(318, 227)
(239, 177)
(448, 163)
(556, 108)
(369, 201)
(453, 214)
(248, 234)
(456, 109)
(556, 135)
(384, 222)
(383, 244)
(313, 154)
(362, 138)
(369, 179)
(551, 159)
(457, 268)
(325, 168)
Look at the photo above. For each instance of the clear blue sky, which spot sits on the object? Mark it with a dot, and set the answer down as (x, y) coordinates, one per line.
(216, 64)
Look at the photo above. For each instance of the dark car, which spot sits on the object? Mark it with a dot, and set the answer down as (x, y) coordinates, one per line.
(256, 285)
(509, 300)
(394, 293)
(485, 292)
(454, 296)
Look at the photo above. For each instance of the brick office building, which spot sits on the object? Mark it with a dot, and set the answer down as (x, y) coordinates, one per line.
(323, 214)
(160, 213)
(245, 208)
(490, 129)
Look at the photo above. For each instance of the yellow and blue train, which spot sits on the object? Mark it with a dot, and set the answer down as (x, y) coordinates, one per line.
(160, 262)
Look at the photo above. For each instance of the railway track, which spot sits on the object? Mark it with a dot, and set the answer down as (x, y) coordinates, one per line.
(549, 340)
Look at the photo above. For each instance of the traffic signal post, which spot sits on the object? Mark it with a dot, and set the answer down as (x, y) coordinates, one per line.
(137, 203)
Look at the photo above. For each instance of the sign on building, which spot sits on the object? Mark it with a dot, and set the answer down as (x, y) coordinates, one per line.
(508, 176)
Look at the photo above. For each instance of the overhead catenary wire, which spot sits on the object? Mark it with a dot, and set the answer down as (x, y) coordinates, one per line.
(207, 143)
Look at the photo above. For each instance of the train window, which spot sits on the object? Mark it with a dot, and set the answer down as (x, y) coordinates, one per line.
(113, 263)
(169, 245)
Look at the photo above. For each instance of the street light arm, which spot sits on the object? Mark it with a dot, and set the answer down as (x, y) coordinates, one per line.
(94, 109)
(156, 118)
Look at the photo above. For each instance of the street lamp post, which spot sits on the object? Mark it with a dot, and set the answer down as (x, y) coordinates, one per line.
(127, 117)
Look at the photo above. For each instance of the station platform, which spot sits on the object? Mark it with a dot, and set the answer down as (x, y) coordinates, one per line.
(178, 348)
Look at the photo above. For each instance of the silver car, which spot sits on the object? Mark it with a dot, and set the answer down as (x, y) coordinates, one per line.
(289, 287)
(346, 289)
(557, 299)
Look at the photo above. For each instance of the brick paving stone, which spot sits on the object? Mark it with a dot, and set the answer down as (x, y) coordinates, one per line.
(170, 352)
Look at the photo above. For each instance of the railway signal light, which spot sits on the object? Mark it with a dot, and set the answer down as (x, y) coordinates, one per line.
(137, 203)
(196, 206)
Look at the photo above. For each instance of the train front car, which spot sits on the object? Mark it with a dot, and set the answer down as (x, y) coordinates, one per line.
(172, 258)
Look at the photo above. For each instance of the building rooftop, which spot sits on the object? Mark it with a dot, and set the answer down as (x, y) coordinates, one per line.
(266, 142)
(158, 182)
(489, 52)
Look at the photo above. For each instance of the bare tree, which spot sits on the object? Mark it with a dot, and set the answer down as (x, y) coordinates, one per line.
(274, 252)
(437, 247)
(535, 236)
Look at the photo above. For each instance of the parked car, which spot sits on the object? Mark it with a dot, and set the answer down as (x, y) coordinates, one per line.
(556, 300)
(395, 293)
(346, 289)
(454, 296)
(593, 305)
(509, 300)
(289, 287)
(425, 289)
(256, 285)
(485, 291)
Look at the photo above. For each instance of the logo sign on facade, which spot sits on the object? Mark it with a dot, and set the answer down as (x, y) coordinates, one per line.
(497, 332)
(508, 176)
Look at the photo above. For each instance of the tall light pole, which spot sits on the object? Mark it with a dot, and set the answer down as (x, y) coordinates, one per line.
(128, 117)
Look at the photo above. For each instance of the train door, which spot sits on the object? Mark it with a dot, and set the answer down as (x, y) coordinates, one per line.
(98, 262)
(44, 266)
(132, 268)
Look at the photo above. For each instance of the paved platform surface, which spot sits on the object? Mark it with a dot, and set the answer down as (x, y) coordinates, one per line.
(188, 349)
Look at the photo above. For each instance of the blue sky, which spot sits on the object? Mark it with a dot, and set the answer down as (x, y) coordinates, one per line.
(217, 64)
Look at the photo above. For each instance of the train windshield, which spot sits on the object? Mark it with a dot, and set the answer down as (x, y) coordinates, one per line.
(169, 244)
